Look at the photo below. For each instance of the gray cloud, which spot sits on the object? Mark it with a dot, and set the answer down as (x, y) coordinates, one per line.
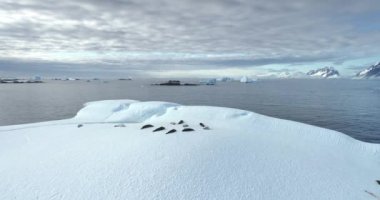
(186, 34)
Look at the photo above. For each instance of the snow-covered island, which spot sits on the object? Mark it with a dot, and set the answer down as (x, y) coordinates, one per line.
(102, 153)
(325, 72)
(370, 72)
(36, 79)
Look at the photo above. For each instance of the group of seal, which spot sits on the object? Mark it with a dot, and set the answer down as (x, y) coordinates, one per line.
(185, 126)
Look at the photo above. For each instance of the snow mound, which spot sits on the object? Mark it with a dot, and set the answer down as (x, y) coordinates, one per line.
(121, 111)
(130, 111)
(101, 110)
(244, 155)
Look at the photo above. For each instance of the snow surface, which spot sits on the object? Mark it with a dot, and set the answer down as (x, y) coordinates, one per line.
(244, 156)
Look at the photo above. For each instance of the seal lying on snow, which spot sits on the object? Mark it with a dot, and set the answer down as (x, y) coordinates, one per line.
(185, 126)
(204, 126)
(119, 125)
(171, 131)
(159, 129)
(147, 126)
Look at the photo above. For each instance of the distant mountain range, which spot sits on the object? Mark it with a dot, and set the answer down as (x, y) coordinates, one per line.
(326, 72)
(370, 72)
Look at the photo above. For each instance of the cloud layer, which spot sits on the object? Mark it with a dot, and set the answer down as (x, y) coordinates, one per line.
(159, 35)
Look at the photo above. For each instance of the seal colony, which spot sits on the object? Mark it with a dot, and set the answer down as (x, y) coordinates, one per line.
(180, 123)
(230, 154)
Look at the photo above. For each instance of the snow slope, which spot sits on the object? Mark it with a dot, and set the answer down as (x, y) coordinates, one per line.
(244, 156)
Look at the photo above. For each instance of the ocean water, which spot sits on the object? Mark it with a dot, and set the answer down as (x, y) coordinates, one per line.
(349, 106)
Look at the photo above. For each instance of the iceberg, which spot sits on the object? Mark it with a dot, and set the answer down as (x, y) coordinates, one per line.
(245, 79)
(103, 153)
(225, 79)
(208, 82)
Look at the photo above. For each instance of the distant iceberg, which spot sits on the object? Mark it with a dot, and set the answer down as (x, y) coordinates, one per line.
(224, 79)
(36, 79)
(208, 82)
(245, 79)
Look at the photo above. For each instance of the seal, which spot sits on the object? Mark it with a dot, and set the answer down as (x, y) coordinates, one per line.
(159, 129)
(80, 125)
(204, 126)
(147, 126)
(119, 125)
(181, 122)
(187, 130)
(171, 131)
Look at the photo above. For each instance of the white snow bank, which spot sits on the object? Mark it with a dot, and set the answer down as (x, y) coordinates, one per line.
(243, 156)
(129, 111)
(101, 110)
(121, 111)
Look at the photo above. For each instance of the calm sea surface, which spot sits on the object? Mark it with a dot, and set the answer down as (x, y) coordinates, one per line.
(349, 106)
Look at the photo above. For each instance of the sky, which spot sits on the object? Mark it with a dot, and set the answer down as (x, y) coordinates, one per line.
(186, 38)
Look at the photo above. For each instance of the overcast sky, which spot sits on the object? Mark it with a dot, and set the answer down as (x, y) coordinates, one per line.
(186, 37)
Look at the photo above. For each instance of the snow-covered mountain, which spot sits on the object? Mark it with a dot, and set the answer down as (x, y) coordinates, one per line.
(326, 72)
(371, 72)
(282, 75)
(287, 74)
